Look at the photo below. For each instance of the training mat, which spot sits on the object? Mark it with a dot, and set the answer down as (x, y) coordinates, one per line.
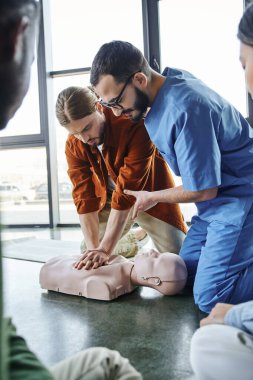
(38, 250)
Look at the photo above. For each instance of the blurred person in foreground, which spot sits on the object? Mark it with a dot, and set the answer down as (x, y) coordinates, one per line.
(18, 27)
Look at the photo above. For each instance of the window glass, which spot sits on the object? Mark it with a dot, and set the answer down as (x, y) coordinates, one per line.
(23, 186)
(26, 121)
(68, 212)
(200, 37)
(78, 31)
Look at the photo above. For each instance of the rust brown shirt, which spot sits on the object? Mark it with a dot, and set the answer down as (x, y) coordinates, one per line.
(133, 162)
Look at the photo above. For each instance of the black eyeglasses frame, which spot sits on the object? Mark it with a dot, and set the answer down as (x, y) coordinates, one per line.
(115, 104)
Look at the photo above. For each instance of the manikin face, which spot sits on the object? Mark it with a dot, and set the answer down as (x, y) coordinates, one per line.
(158, 268)
(246, 58)
(90, 129)
(123, 98)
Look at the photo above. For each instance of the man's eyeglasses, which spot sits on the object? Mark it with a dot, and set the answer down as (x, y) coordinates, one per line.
(115, 104)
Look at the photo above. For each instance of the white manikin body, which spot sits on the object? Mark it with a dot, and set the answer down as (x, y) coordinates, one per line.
(165, 272)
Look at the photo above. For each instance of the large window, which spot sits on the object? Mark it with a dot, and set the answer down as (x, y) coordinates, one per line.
(23, 186)
(196, 35)
(80, 28)
(200, 37)
(77, 34)
(67, 208)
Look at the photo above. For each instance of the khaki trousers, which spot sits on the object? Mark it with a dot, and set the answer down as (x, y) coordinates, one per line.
(97, 363)
(165, 237)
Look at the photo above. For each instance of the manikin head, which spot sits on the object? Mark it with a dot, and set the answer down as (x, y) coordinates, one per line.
(18, 29)
(164, 272)
(245, 35)
(78, 110)
(120, 75)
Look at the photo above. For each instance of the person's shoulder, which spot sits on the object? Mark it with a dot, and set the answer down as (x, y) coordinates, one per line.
(75, 146)
(172, 72)
(72, 141)
(188, 88)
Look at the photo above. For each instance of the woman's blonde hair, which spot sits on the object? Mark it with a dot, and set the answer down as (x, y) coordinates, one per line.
(74, 103)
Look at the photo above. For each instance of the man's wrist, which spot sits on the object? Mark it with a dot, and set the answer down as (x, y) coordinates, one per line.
(101, 248)
(154, 196)
(91, 245)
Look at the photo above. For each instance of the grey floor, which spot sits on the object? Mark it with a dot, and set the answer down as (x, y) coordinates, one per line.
(152, 330)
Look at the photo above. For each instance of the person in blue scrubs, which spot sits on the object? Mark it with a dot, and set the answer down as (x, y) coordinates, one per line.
(207, 142)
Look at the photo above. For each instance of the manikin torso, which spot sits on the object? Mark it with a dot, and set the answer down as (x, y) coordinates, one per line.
(104, 283)
(165, 272)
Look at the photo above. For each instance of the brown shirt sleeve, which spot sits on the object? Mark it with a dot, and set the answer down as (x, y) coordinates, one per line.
(135, 169)
(79, 170)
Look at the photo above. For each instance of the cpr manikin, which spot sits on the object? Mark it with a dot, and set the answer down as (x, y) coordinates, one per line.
(164, 272)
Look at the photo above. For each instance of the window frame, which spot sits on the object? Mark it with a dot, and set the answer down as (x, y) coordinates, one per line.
(46, 138)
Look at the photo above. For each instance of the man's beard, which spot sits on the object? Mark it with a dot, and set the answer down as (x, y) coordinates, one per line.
(102, 133)
(141, 105)
(101, 136)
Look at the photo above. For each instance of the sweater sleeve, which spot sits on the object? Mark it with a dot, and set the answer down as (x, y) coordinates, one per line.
(23, 363)
(241, 316)
(133, 175)
(80, 174)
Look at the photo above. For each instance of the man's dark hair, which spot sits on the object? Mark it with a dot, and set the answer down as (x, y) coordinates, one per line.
(15, 4)
(119, 59)
(245, 28)
(10, 9)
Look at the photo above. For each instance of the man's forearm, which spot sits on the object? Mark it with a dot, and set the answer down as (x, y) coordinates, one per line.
(115, 226)
(90, 229)
(180, 195)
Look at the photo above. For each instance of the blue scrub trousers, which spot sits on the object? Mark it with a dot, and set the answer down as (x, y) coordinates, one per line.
(219, 260)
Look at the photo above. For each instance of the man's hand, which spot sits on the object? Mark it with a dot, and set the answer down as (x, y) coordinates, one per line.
(92, 259)
(143, 202)
(217, 314)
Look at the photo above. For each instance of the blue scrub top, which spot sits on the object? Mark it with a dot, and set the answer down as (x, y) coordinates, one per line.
(207, 142)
